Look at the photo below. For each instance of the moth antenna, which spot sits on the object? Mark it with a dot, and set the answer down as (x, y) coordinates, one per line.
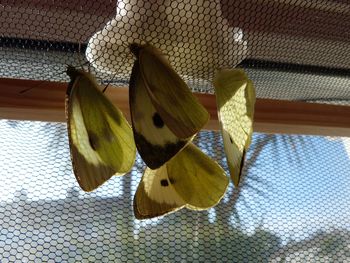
(39, 85)
(103, 91)
(75, 53)
(25, 90)
(115, 74)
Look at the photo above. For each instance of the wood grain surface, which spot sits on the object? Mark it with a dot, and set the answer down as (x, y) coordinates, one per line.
(45, 102)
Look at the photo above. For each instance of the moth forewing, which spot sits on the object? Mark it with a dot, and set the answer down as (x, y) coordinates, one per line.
(170, 95)
(235, 96)
(233, 157)
(155, 142)
(84, 160)
(100, 139)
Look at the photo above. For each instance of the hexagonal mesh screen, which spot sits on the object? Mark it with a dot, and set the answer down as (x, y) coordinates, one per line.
(294, 202)
(294, 50)
(293, 206)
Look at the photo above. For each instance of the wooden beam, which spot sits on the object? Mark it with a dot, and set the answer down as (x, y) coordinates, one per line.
(45, 102)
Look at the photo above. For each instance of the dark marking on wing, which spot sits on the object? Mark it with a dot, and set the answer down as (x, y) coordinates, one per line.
(164, 182)
(231, 139)
(156, 155)
(157, 120)
(93, 141)
(108, 134)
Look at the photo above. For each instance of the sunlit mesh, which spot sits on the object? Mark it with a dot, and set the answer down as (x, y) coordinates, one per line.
(296, 50)
(293, 206)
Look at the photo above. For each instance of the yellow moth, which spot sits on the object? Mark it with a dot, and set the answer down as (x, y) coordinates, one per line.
(191, 179)
(235, 98)
(100, 138)
(165, 114)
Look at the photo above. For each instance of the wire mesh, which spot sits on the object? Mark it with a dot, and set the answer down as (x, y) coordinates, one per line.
(293, 205)
(296, 50)
(294, 202)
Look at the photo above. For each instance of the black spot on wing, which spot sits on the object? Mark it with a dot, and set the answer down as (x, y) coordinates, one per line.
(231, 139)
(164, 182)
(93, 141)
(157, 120)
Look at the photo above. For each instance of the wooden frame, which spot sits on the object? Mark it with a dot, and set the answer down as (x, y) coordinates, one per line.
(45, 102)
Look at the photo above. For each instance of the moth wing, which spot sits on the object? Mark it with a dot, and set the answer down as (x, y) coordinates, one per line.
(250, 96)
(100, 138)
(172, 98)
(199, 180)
(155, 142)
(235, 97)
(155, 195)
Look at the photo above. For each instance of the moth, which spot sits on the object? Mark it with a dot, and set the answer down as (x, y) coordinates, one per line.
(191, 179)
(165, 114)
(235, 98)
(100, 138)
